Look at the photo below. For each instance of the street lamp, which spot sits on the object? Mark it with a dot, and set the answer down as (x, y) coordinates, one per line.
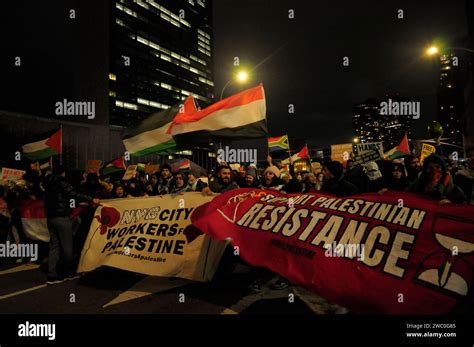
(432, 51)
(435, 50)
(355, 140)
(241, 77)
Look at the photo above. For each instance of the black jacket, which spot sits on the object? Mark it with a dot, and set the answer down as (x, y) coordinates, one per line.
(339, 187)
(58, 193)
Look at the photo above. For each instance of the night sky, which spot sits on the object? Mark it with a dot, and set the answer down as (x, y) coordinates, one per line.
(304, 56)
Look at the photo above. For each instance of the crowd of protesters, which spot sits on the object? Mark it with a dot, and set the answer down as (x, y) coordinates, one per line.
(444, 180)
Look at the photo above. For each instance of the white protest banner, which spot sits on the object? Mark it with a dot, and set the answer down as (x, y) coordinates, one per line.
(145, 235)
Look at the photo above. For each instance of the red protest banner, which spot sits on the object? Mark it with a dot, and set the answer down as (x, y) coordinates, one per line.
(395, 253)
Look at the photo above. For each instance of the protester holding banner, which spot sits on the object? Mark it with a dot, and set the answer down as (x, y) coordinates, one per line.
(413, 167)
(165, 181)
(223, 183)
(465, 177)
(119, 191)
(397, 179)
(58, 195)
(152, 185)
(180, 184)
(271, 179)
(436, 182)
(334, 181)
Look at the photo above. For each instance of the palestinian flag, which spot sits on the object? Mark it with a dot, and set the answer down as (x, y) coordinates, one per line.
(45, 148)
(150, 136)
(278, 143)
(114, 166)
(184, 164)
(401, 150)
(240, 116)
(33, 219)
(303, 154)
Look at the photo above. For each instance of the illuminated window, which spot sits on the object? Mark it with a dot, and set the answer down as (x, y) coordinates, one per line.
(130, 106)
(112, 93)
(143, 101)
(166, 86)
(112, 77)
(165, 57)
(118, 103)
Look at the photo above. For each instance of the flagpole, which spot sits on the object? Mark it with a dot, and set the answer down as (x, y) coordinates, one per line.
(61, 146)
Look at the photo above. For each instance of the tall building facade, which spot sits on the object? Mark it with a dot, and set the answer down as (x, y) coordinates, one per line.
(372, 124)
(450, 98)
(160, 52)
(130, 58)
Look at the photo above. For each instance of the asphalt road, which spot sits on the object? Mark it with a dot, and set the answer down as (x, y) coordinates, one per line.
(113, 291)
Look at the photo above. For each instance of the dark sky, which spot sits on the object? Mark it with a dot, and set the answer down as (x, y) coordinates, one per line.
(304, 65)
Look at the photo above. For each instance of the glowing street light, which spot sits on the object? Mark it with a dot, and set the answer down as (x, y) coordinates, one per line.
(355, 140)
(433, 50)
(241, 77)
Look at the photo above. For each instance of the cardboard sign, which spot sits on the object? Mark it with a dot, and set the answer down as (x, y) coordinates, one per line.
(426, 151)
(367, 156)
(152, 168)
(130, 173)
(11, 174)
(341, 152)
(363, 148)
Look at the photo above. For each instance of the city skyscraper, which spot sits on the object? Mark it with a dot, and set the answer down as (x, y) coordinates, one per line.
(450, 98)
(160, 52)
(372, 125)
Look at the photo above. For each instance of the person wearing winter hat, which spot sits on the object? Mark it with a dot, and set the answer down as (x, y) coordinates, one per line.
(271, 179)
(334, 181)
(464, 178)
(250, 178)
(435, 181)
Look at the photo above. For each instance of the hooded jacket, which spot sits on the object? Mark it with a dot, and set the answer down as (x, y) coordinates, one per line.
(58, 193)
(445, 189)
(465, 180)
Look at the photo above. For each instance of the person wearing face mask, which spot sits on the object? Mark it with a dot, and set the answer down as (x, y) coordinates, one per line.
(374, 176)
(436, 182)
(464, 177)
